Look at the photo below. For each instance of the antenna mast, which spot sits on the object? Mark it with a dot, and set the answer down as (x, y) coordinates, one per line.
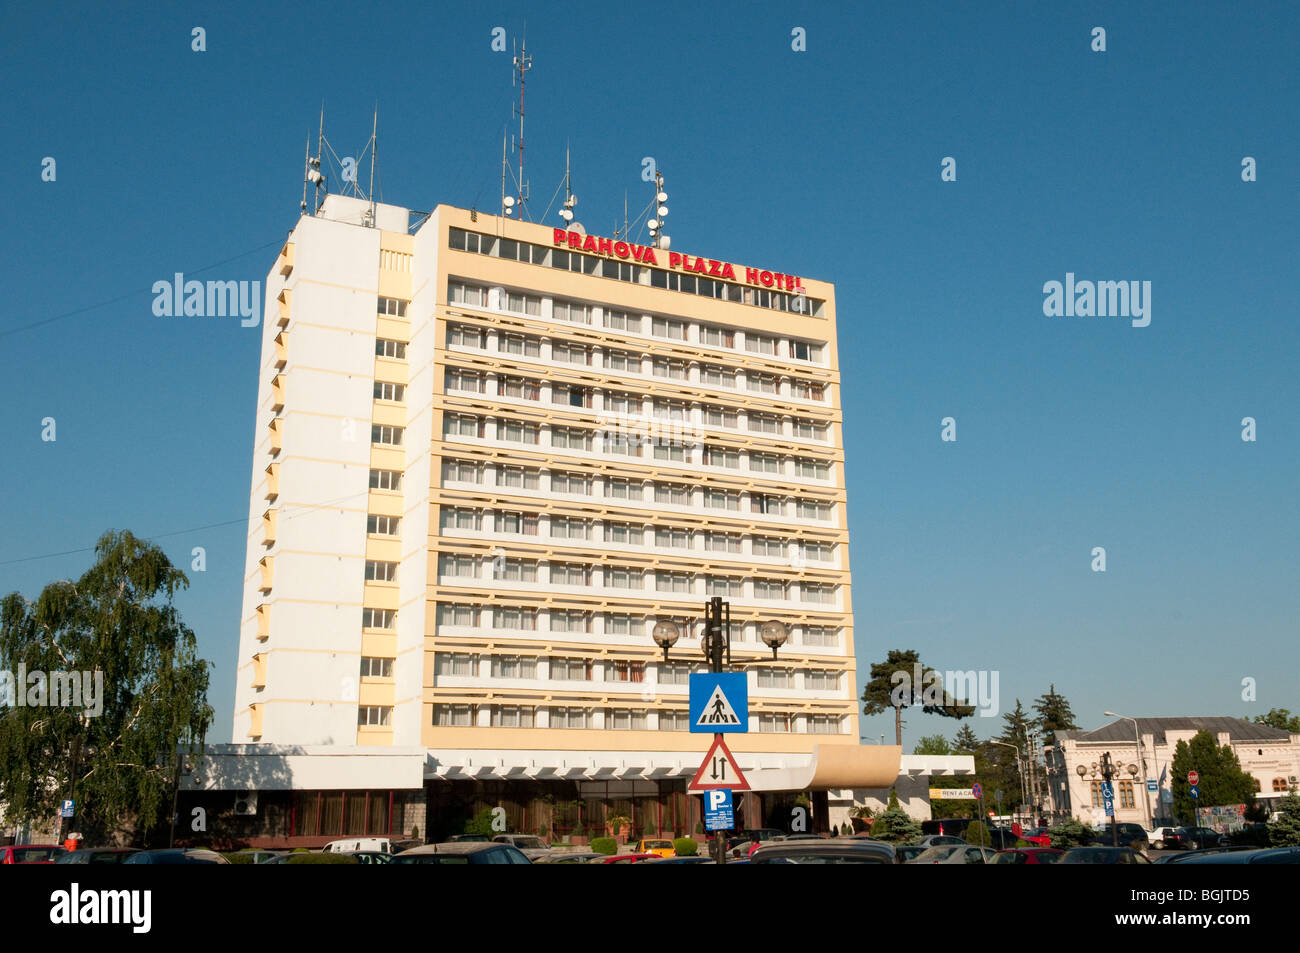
(523, 63)
(374, 148)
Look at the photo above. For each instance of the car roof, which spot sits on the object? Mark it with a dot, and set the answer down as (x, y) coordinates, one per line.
(825, 846)
(457, 847)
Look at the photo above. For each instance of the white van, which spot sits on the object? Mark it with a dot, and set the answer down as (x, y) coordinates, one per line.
(381, 844)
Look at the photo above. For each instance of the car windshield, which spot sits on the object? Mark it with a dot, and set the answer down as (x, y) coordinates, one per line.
(937, 853)
(528, 842)
(657, 844)
(30, 855)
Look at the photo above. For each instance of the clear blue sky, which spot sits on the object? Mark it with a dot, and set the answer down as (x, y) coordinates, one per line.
(1072, 432)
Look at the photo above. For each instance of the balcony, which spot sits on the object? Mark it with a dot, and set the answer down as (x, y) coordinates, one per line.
(281, 350)
(259, 670)
(277, 393)
(267, 564)
(283, 298)
(263, 622)
(277, 435)
(285, 263)
(273, 481)
(269, 520)
(255, 721)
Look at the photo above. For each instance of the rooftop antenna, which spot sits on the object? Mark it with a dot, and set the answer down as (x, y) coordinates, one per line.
(507, 201)
(313, 172)
(655, 224)
(522, 63)
(369, 218)
(570, 200)
(306, 171)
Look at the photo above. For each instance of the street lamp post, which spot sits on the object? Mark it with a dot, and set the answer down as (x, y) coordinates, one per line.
(1108, 771)
(715, 641)
(1024, 798)
(1142, 762)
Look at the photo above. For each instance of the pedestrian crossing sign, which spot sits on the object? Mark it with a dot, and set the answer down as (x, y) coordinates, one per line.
(719, 703)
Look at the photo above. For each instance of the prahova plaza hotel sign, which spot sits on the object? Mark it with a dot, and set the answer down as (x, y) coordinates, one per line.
(646, 255)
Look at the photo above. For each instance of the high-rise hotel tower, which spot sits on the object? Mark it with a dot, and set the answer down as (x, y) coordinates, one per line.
(490, 455)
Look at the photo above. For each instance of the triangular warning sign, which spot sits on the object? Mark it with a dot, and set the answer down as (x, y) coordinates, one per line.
(719, 770)
(717, 712)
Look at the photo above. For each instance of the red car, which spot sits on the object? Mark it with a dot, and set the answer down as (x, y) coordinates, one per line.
(624, 859)
(30, 853)
(1029, 855)
(1037, 835)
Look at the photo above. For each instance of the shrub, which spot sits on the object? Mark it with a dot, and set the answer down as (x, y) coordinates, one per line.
(895, 826)
(1024, 843)
(1069, 834)
(1285, 831)
(310, 858)
(480, 823)
(699, 827)
(604, 845)
(239, 857)
(846, 830)
(415, 832)
(686, 846)
(978, 834)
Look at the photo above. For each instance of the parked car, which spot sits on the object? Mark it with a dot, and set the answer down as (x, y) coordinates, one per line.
(951, 854)
(833, 850)
(96, 855)
(569, 857)
(31, 853)
(624, 858)
(999, 838)
(194, 855)
(1130, 835)
(1191, 838)
(1103, 855)
(1029, 855)
(937, 840)
(1156, 837)
(906, 853)
(954, 826)
(532, 845)
(371, 857)
(692, 859)
(1251, 835)
(1264, 855)
(1183, 856)
(463, 852)
(352, 844)
(1037, 836)
(467, 839)
(656, 846)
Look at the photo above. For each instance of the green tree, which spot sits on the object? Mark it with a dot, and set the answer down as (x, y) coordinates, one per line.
(933, 744)
(1069, 833)
(1285, 831)
(1221, 779)
(978, 834)
(1280, 718)
(965, 741)
(1053, 714)
(481, 822)
(894, 824)
(117, 627)
(893, 684)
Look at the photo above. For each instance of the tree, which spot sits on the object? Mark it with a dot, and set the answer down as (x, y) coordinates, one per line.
(1280, 718)
(1053, 715)
(894, 824)
(1285, 831)
(965, 741)
(901, 681)
(933, 744)
(1069, 833)
(1221, 780)
(144, 692)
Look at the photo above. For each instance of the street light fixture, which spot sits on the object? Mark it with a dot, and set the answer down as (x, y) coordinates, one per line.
(666, 634)
(1024, 796)
(1142, 761)
(774, 635)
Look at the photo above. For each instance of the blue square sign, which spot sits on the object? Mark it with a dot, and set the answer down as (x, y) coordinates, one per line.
(719, 703)
(718, 812)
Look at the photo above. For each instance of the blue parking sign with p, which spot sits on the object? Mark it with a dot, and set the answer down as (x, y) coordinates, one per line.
(718, 812)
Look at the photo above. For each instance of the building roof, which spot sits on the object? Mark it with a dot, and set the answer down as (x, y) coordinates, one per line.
(1121, 730)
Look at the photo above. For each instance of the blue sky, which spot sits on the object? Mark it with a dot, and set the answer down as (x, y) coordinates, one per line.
(1071, 432)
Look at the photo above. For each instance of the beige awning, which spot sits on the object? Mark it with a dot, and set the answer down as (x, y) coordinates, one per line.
(833, 767)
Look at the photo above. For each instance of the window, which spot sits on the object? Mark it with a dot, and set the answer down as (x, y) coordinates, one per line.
(624, 444)
(516, 431)
(808, 390)
(622, 321)
(387, 391)
(769, 589)
(718, 417)
(382, 525)
(462, 335)
(720, 457)
(391, 436)
(461, 471)
(675, 493)
(823, 725)
(626, 719)
(514, 666)
(1126, 794)
(524, 388)
(717, 337)
(624, 533)
(821, 593)
(515, 618)
(571, 353)
(376, 667)
(570, 438)
(570, 718)
(568, 527)
(392, 306)
(523, 478)
(564, 669)
(674, 721)
(388, 348)
(622, 489)
(619, 624)
(812, 510)
(461, 518)
(475, 296)
(765, 503)
(669, 450)
(768, 546)
(522, 523)
(675, 673)
(671, 410)
(521, 303)
(764, 423)
(619, 578)
(380, 571)
(623, 671)
(672, 538)
(1280, 785)
(462, 380)
(1096, 792)
(385, 480)
(818, 635)
(452, 716)
(523, 345)
(714, 376)
(457, 565)
(570, 574)
(760, 344)
(572, 311)
(515, 570)
(462, 425)
(571, 395)
(722, 499)
(775, 722)
(622, 403)
(762, 383)
(668, 328)
(809, 429)
(669, 369)
(722, 542)
(811, 469)
(374, 715)
(623, 361)
(729, 587)
(512, 716)
(455, 663)
(672, 582)
(821, 681)
(378, 618)
(819, 552)
(461, 615)
(775, 678)
(803, 351)
(570, 620)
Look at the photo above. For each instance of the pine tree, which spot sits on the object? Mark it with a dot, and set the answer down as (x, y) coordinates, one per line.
(933, 745)
(965, 741)
(1280, 718)
(1285, 831)
(1221, 782)
(1053, 715)
(888, 688)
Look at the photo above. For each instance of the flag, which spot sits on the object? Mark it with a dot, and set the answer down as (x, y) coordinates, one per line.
(1163, 771)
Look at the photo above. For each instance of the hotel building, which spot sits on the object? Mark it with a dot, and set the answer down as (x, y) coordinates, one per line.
(489, 456)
